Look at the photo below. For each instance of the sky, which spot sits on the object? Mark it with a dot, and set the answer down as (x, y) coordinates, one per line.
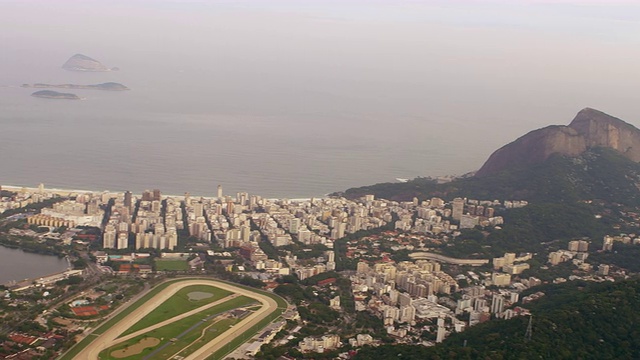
(485, 51)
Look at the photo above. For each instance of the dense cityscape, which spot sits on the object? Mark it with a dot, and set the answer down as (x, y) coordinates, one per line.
(376, 263)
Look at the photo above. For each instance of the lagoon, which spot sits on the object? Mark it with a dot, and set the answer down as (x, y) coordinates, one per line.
(17, 265)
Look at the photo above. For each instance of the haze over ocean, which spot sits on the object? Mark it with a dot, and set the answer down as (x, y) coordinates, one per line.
(299, 98)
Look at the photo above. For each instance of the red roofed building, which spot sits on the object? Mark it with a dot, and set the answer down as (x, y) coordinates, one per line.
(23, 339)
(326, 281)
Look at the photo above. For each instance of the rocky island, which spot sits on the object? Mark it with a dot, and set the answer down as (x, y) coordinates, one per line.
(48, 94)
(79, 62)
(108, 86)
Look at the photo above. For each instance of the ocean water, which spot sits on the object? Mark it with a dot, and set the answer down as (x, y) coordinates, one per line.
(296, 99)
(172, 132)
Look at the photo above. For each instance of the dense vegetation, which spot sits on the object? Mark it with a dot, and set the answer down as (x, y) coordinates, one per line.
(531, 229)
(625, 256)
(575, 320)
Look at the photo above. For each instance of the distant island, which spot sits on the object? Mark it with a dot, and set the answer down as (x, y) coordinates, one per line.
(48, 94)
(79, 62)
(108, 86)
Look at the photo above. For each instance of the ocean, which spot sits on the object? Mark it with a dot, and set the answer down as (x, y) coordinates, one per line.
(170, 134)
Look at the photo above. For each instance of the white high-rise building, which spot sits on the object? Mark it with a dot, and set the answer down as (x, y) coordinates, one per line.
(294, 225)
(109, 237)
(123, 240)
(458, 208)
(497, 304)
(441, 331)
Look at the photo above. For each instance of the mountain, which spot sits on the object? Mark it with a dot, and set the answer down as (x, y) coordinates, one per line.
(590, 128)
(598, 173)
(79, 62)
(594, 158)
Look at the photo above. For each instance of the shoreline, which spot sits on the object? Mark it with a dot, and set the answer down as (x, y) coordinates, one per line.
(69, 192)
(27, 250)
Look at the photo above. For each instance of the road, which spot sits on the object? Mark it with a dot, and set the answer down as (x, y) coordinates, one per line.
(423, 255)
(109, 337)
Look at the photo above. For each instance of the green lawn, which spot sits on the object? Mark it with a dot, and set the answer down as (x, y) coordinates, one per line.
(171, 331)
(178, 304)
(171, 265)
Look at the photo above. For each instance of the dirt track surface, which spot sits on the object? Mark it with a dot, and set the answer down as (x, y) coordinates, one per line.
(108, 338)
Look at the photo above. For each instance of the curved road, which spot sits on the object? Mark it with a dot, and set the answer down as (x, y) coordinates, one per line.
(109, 337)
(423, 255)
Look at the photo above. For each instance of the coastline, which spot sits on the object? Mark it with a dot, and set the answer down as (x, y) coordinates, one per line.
(69, 192)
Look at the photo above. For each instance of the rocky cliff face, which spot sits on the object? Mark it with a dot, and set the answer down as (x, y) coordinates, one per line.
(590, 128)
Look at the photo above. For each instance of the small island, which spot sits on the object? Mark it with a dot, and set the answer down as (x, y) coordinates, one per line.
(108, 86)
(79, 62)
(48, 94)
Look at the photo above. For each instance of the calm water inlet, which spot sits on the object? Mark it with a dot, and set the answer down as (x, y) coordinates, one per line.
(18, 265)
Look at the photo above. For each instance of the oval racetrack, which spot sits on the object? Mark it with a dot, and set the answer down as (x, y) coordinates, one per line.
(110, 337)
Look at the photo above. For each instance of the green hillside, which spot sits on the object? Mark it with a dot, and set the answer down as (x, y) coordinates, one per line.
(575, 320)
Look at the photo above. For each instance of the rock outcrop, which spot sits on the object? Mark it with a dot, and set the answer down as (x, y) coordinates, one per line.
(109, 86)
(590, 128)
(79, 62)
(48, 94)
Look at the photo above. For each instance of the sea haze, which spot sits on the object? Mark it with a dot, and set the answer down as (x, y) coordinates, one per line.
(298, 99)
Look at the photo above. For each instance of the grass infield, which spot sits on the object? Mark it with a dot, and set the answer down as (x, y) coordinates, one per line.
(178, 304)
(178, 335)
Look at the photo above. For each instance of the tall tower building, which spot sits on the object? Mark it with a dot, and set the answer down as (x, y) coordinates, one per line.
(147, 195)
(441, 332)
(497, 304)
(109, 237)
(458, 208)
(123, 240)
(294, 225)
(198, 209)
(128, 202)
(219, 191)
(156, 194)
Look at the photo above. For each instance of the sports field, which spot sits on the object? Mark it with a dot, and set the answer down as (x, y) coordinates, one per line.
(185, 318)
(171, 265)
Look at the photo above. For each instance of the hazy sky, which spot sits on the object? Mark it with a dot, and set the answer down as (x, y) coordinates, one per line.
(467, 75)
